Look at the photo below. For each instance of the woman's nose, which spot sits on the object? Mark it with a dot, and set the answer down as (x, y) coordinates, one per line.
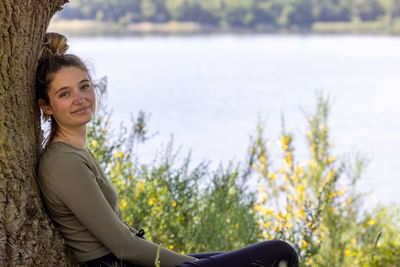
(78, 98)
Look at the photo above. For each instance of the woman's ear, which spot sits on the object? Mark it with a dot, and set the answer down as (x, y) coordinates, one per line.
(45, 107)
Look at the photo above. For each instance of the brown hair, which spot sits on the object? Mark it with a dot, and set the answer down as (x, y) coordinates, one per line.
(52, 59)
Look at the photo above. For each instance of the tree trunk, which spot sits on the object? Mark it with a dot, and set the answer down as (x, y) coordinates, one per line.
(27, 235)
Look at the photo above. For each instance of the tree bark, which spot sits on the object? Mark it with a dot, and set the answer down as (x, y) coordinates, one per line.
(27, 235)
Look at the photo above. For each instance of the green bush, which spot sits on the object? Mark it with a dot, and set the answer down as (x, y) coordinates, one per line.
(187, 209)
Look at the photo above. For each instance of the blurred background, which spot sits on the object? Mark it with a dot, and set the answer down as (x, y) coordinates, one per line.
(209, 72)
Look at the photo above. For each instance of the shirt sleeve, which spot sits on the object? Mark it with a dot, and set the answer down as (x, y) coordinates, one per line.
(75, 184)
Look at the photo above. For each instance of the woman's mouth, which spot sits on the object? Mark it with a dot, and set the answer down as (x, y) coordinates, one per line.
(81, 110)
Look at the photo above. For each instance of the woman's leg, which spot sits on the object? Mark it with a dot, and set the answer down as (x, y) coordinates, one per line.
(205, 255)
(263, 254)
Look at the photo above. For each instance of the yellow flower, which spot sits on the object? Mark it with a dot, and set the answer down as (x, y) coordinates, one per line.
(237, 225)
(299, 170)
(173, 203)
(123, 203)
(269, 211)
(94, 143)
(330, 175)
(331, 159)
(120, 154)
(284, 140)
(272, 175)
(264, 197)
(295, 178)
(332, 195)
(304, 244)
(262, 159)
(313, 164)
(261, 188)
(323, 128)
(311, 119)
(182, 252)
(313, 147)
(369, 223)
(300, 188)
(171, 246)
(302, 212)
(141, 185)
(266, 235)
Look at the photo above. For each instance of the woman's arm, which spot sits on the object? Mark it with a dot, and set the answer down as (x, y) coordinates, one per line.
(75, 184)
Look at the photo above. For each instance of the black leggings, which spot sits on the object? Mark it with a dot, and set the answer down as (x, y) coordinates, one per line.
(263, 254)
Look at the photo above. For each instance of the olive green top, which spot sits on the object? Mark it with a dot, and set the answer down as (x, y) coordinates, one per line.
(83, 204)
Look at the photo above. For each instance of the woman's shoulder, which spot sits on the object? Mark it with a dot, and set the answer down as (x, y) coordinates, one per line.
(59, 153)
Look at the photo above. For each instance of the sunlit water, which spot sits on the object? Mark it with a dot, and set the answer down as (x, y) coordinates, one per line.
(210, 92)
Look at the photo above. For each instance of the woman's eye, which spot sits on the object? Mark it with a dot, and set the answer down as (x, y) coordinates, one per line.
(64, 94)
(86, 86)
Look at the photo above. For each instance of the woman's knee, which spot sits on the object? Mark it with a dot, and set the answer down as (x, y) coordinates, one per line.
(283, 251)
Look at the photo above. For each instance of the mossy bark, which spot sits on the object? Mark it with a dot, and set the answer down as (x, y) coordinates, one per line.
(27, 235)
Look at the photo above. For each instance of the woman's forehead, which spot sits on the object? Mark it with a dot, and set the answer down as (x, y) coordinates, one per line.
(68, 76)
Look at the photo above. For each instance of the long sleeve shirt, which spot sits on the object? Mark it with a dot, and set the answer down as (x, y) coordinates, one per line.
(83, 204)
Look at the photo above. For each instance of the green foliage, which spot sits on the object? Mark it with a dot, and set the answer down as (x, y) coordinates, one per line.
(234, 13)
(312, 204)
(186, 209)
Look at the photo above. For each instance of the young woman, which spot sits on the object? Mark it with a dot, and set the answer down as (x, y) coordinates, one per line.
(82, 202)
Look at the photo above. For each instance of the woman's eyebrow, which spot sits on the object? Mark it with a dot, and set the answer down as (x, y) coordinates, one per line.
(83, 81)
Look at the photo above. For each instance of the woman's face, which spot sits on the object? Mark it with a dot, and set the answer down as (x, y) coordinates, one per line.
(71, 98)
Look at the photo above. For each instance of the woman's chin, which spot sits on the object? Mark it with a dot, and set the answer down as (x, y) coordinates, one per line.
(83, 120)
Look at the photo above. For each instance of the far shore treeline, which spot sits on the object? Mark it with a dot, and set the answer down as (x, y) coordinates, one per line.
(377, 16)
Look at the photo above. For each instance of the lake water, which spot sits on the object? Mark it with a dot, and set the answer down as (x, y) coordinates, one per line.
(210, 91)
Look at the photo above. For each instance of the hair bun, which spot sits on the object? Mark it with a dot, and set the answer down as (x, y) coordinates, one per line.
(55, 44)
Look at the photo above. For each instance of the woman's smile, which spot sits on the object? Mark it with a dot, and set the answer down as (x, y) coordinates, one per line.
(81, 110)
